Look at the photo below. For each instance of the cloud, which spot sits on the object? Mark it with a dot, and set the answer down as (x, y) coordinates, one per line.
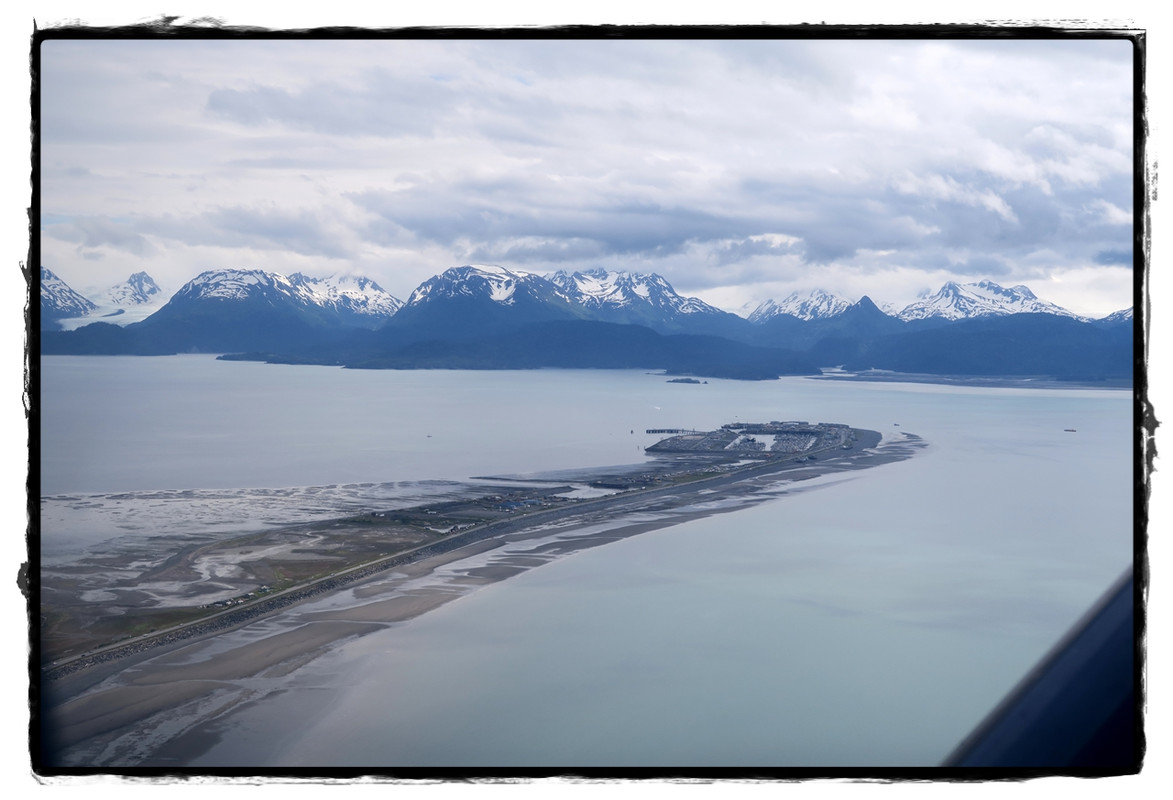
(1114, 258)
(712, 162)
(92, 233)
(1111, 214)
(303, 232)
(732, 251)
(507, 226)
(383, 105)
(946, 188)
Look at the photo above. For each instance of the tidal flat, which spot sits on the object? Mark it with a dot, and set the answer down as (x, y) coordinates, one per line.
(728, 633)
(115, 694)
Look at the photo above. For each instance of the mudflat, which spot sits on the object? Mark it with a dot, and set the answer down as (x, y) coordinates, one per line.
(167, 697)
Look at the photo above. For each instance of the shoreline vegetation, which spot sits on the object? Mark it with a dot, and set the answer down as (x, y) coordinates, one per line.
(105, 700)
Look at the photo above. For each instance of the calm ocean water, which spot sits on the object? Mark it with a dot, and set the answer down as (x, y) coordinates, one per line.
(870, 620)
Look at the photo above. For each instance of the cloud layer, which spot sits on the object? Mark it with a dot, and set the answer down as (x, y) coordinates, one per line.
(739, 170)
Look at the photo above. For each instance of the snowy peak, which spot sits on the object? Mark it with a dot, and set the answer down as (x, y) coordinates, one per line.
(59, 300)
(600, 289)
(137, 290)
(132, 300)
(477, 280)
(955, 301)
(1123, 317)
(351, 293)
(815, 304)
(339, 293)
(597, 295)
(236, 284)
(344, 300)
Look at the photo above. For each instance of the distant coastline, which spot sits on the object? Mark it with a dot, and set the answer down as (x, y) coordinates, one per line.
(984, 381)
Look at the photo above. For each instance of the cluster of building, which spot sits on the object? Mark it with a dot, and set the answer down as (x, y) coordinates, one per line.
(750, 438)
(238, 600)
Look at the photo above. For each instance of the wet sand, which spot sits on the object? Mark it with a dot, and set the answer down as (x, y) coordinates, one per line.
(162, 706)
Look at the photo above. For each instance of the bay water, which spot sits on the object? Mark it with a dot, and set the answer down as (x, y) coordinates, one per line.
(869, 618)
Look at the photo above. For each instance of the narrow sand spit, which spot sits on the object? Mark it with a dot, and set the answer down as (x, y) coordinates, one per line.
(119, 714)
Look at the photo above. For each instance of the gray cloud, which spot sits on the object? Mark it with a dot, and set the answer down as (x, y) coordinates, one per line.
(708, 161)
(90, 233)
(563, 232)
(382, 105)
(1114, 257)
(736, 251)
(303, 232)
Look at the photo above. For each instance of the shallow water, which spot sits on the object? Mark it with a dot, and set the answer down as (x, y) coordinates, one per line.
(859, 623)
(870, 619)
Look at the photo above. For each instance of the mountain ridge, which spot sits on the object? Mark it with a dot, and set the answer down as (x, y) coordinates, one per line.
(955, 301)
(810, 305)
(479, 311)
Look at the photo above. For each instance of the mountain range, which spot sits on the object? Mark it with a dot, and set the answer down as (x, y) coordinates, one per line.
(59, 301)
(477, 316)
(815, 304)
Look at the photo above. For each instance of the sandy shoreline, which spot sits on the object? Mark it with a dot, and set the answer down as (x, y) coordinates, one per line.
(162, 706)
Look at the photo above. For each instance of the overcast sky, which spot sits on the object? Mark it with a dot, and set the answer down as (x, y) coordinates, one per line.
(738, 170)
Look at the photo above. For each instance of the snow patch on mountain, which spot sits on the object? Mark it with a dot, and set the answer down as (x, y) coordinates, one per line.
(346, 294)
(955, 301)
(132, 300)
(237, 284)
(59, 300)
(137, 290)
(479, 280)
(814, 304)
(597, 289)
(353, 293)
(348, 301)
(1124, 315)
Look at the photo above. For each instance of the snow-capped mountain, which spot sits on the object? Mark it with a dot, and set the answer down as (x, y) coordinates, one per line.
(230, 310)
(133, 300)
(468, 301)
(59, 301)
(472, 296)
(350, 294)
(1122, 316)
(648, 299)
(607, 290)
(815, 304)
(983, 299)
(482, 317)
(502, 286)
(353, 300)
(633, 298)
(137, 290)
(238, 284)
